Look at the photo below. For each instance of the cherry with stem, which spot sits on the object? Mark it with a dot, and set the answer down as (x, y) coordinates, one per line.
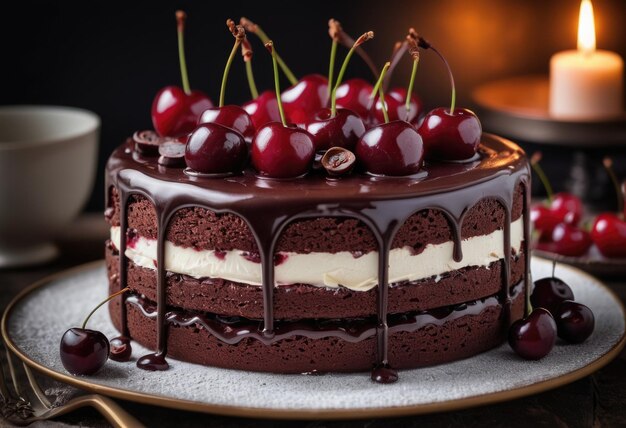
(280, 150)
(84, 351)
(175, 111)
(230, 116)
(393, 148)
(333, 99)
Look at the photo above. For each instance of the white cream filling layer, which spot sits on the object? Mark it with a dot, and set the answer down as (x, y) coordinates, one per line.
(326, 269)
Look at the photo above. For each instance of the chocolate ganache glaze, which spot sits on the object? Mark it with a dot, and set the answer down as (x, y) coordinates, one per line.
(269, 205)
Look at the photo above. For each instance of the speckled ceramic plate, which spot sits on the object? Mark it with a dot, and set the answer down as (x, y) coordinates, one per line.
(34, 322)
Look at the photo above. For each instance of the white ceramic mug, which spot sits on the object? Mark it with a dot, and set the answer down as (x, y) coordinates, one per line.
(48, 159)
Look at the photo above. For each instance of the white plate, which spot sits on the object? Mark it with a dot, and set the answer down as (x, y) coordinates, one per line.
(34, 323)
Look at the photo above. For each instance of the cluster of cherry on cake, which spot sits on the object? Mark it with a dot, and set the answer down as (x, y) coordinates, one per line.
(557, 221)
(317, 123)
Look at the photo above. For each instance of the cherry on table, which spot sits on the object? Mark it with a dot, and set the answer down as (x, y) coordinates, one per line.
(215, 149)
(574, 321)
(83, 351)
(533, 337)
(566, 240)
(564, 208)
(175, 111)
(549, 293)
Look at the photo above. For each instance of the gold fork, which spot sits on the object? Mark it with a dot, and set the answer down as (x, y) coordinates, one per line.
(22, 408)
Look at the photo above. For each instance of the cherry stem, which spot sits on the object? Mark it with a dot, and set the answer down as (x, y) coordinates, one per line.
(229, 62)
(553, 267)
(122, 291)
(608, 165)
(410, 90)
(250, 75)
(331, 66)
(180, 26)
(261, 35)
(333, 100)
(347, 41)
(270, 47)
(534, 162)
(378, 88)
(453, 97)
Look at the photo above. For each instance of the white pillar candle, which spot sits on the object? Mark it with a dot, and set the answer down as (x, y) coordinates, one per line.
(586, 84)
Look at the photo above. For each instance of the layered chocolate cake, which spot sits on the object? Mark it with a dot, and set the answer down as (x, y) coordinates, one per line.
(352, 242)
(256, 274)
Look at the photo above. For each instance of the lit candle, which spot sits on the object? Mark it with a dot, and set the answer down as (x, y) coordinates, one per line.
(586, 84)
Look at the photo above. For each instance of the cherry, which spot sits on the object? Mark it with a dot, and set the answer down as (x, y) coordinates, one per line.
(84, 351)
(175, 111)
(338, 161)
(231, 116)
(453, 136)
(533, 337)
(263, 109)
(567, 240)
(395, 102)
(574, 321)
(354, 94)
(302, 100)
(332, 127)
(278, 150)
(609, 234)
(215, 149)
(560, 208)
(393, 148)
(609, 229)
(344, 129)
(549, 293)
(449, 134)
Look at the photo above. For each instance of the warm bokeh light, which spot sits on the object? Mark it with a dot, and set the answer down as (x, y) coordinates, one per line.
(586, 28)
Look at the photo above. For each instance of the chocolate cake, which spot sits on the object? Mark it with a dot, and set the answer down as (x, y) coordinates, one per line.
(316, 273)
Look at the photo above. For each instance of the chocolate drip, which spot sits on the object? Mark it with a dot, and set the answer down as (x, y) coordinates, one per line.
(268, 206)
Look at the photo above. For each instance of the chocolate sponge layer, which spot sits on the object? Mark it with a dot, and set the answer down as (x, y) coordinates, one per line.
(431, 344)
(296, 301)
(205, 230)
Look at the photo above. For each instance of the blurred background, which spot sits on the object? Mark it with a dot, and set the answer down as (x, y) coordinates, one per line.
(112, 57)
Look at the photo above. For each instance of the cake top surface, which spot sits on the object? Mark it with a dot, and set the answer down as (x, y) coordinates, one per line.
(495, 156)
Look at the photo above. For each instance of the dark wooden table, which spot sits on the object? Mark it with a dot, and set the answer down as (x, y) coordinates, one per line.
(595, 401)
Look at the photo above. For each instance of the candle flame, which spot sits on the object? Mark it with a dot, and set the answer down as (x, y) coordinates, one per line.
(586, 28)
